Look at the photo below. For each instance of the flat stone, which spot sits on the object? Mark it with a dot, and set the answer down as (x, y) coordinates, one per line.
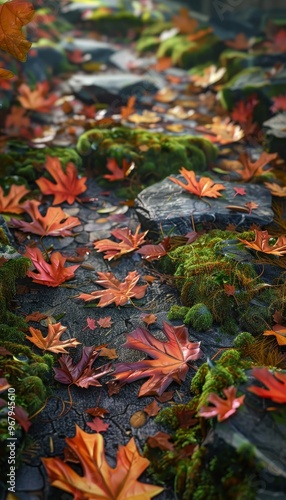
(166, 207)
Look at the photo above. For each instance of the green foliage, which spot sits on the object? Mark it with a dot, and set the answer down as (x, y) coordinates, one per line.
(178, 312)
(199, 317)
(243, 340)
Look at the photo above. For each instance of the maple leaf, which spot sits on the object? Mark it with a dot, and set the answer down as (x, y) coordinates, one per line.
(280, 333)
(155, 252)
(243, 110)
(52, 274)
(129, 243)
(36, 316)
(149, 319)
(229, 290)
(204, 187)
(116, 292)
(91, 324)
(67, 187)
(52, 341)
(209, 76)
(98, 425)
(97, 412)
(100, 481)
(184, 22)
(118, 173)
(35, 99)
(152, 409)
(240, 42)
(169, 363)
(275, 189)
(223, 408)
(55, 223)
(11, 202)
(254, 169)
(105, 322)
(251, 205)
(275, 383)
(161, 441)
(108, 353)
(16, 121)
(239, 190)
(261, 243)
(14, 15)
(129, 109)
(279, 103)
(81, 374)
(223, 131)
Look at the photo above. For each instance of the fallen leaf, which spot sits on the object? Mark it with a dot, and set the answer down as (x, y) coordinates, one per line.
(166, 396)
(229, 290)
(223, 408)
(251, 169)
(117, 292)
(155, 252)
(149, 319)
(100, 481)
(278, 43)
(275, 383)
(186, 417)
(279, 103)
(240, 42)
(175, 127)
(52, 341)
(98, 425)
(6, 74)
(149, 278)
(97, 412)
(36, 100)
(36, 316)
(239, 190)
(108, 353)
(146, 117)
(129, 242)
(180, 113)
(184, 22)
(160, 440)
(204, 187)
(55, 223)
(90, 323)
(138, 419)
(105, 322)
(223, 131)
(152, 409)
(162, 64)
(81, 374)
(126, 111)
(11, 202)
(166, 95)
(67, 186)
(14, 15)
(243, 110)
(280, 333)
(275, 189)
(16, 121)
(251, 205)
(49, 274)
(118, 173)
(208, 76)
(261, 243)
(169, 363)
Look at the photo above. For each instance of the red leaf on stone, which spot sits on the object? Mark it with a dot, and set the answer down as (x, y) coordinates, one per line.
(129, 242)
(105, 322)
(49, 274)
(98, 425)
(97, 412)
(204, 187)
(91, 324)
(81, 374)
(239, 190)
(155, 252)
(149, 319)
(152, 409)
(169, 363)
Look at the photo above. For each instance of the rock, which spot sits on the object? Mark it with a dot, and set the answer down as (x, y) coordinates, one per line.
(99, 51)
(166, 207)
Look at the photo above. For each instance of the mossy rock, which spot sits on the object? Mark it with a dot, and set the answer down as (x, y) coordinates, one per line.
(199, 317)
(156, 155)
(236, 61)
(178, 312)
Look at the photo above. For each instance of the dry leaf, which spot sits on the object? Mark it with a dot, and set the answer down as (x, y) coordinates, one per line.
(261, 243)
(224, 131)
(280, 333)
(36, 100)
(129, 242)
(152, 409)
(108, 353)
(276, 190)
(105, 322)
(149, 319)
(129, 109)
(251, 169)
(118, 173)
(98, 425)
(204, 187)
(11, 202)
(275, 383)
(146, 117)
(14, 15)
(160, 440)
(52, 341)
(166, 95)
(184, 22)
(49, 274)
(209, 76)
(240, 42)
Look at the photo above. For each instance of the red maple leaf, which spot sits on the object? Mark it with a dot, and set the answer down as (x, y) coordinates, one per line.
(240, 42)
(55, 223)
(118, 173)
(239, 190)
(81, 374)
(129, 243)
(49, 274)
(275, 383)
(105, 322)
(67, 187)
(36, 100)
(279, 103)
(116, 292)
(223, 408)
(169, 363)
(98, 425)
(204, 187)
(155, 252)
(261, 243)
(91, 324)
(243, 110)
(229, 290)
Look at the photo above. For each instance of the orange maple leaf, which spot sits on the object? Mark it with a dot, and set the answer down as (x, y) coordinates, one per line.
(276, 189)
(169, 363)
(184, 22)
(223, 408)
(52, 341)
(204, 187)
(240, 42)
(11, 202)
(36, 100)
(129, 243)
(279, 332)
(129, 109)
(223, 131)
(67, 187)
(55, 223)
(14, 15)
(261, 243)
(105, 322)
(275, 383)
(49, 274)
(254, 169)
(149, 319)
(100, 480)
(117, 292)
(118, 173)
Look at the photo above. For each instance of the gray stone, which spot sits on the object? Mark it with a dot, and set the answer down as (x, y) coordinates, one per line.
(166, 207)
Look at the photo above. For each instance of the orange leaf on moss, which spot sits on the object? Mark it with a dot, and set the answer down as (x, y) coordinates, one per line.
(223, 408)
(261, 243)
(67, 185)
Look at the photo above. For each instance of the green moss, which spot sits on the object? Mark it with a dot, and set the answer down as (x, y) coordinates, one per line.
(243, 340)
(199, 317)
(177, 312)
